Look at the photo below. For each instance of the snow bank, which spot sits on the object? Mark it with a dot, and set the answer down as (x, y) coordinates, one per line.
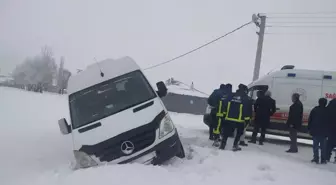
(30, 141)
(34, 152)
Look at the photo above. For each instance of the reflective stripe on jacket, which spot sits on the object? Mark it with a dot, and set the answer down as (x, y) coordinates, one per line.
(221, 112)
(239, 108)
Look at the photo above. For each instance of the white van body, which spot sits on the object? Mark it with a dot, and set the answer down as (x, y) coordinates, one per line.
(310, 84)
(118, 117)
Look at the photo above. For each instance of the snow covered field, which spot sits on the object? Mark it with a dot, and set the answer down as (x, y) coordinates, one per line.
(34, 152)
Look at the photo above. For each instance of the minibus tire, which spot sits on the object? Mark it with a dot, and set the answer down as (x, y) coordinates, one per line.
(181, 153)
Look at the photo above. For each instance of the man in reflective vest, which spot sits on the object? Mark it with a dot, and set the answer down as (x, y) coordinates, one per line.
(238, 113)
(213, 101)
(221, 113)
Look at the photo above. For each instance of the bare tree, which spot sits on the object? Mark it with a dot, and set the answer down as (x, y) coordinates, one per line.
(47, 52)
(39, 70)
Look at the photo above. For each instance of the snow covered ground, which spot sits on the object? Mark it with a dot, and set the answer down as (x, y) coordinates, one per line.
(34, 152)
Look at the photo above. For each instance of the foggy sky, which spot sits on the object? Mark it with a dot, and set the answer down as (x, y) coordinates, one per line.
(153, 31)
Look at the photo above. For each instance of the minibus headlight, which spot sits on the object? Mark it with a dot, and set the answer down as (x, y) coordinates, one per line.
(166, 126)
(84, 160)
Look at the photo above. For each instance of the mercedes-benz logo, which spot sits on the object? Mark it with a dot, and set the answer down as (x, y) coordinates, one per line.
(127, 147)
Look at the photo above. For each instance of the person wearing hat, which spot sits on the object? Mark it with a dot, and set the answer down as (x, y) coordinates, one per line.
(213, 102)
(221, 113)
(247, 123)
(238, 112)
(229, 88)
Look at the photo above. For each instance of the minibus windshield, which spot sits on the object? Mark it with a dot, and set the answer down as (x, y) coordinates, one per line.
(108, 98)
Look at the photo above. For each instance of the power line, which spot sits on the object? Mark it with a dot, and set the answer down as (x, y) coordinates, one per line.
(301, 22)
(302, 17)
(300, 13)
(302, 33)
(301, 26)
(200, 47)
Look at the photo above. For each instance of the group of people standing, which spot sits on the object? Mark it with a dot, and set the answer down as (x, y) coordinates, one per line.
(232, 111)
(322, 127)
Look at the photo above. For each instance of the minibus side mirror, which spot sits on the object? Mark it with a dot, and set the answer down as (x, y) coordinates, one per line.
(64, 127)
(162, 89)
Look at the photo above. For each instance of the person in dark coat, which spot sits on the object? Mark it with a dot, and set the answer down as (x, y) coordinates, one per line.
(318, 127)
(248, 122)
(294, 121)
(213, 101)
(228, 88)
(220, 115)
(331, 143)
(238, 112)
(264, 108)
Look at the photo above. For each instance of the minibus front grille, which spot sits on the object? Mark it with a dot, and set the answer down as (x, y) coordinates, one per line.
(140, 142)
(141, 137)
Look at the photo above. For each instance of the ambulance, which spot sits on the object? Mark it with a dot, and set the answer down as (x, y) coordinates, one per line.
(310, 84)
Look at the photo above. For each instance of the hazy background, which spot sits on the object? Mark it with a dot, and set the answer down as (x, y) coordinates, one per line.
(153, 31)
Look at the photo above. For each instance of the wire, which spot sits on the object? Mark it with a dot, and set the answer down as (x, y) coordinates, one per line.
(301, 26)
(291, 22)
(299, 13)
(302, 33)
(304, 17)
(200, 47)
(101, 72)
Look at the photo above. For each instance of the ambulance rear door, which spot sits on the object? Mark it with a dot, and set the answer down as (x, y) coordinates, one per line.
(310, 90)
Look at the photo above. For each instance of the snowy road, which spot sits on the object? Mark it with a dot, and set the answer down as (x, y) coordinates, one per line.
(34, 152)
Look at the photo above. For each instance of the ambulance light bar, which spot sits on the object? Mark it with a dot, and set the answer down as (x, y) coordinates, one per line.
(287, 67)
(328, 77)
(291, 75)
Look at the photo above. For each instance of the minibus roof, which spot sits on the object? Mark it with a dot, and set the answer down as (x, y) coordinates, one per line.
(92, 74)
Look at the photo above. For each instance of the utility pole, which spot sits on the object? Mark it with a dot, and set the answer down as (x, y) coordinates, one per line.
(260, 34)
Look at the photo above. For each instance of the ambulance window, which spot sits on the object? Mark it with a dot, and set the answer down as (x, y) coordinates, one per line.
(254, 90)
